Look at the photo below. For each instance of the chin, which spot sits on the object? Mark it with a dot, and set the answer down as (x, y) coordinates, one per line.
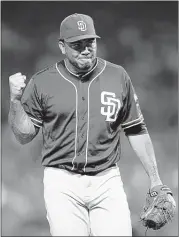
(85, 67)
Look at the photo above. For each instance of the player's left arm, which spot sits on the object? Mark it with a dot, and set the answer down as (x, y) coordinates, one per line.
(135, 129)
(142, 145)
(160, 205)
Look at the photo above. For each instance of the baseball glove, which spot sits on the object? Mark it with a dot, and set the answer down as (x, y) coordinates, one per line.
(159, 207)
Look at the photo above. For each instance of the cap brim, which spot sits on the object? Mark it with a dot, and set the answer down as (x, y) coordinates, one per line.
(80, 37)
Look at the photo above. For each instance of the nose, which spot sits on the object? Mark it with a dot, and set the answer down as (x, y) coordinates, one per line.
(85, 51)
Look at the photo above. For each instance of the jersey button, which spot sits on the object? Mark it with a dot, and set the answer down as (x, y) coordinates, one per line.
(83, 98)
(80, 153)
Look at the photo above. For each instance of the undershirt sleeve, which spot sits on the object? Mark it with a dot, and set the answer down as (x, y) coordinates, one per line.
(138, 129)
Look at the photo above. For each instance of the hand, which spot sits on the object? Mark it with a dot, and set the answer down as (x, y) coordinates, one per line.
(159, 207)
(16, 84)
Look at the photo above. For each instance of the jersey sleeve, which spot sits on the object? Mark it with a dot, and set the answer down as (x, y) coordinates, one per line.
(32, 103)
(131, 114)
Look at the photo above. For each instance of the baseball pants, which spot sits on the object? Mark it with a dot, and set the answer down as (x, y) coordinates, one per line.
(81, 205)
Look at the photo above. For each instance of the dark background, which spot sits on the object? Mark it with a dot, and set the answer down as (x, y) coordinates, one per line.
(140, 36)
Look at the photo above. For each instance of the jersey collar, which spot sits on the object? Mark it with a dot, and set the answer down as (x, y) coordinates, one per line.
(87, 77)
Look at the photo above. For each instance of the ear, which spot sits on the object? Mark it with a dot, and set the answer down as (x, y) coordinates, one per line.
(62, 47)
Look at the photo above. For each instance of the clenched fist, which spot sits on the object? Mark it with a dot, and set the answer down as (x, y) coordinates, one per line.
(17, 84)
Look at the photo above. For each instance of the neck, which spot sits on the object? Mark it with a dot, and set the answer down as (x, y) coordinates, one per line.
(78, 71)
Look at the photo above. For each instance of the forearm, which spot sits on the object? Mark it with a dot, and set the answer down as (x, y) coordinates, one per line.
(20, 123)
(143, 147)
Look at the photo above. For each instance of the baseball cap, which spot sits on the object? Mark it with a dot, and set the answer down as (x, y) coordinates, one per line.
(77, 27)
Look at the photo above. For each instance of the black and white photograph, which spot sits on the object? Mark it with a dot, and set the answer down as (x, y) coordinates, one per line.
(89, 118)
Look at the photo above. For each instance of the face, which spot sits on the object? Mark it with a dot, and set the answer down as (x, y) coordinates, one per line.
(81, 54)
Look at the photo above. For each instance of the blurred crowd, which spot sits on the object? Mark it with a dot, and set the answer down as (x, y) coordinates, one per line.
(141, 37)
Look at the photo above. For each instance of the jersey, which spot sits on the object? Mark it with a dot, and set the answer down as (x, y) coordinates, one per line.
(81, 116)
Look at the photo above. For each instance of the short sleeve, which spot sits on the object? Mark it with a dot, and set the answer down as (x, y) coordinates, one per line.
(132, 114)
(32, 103)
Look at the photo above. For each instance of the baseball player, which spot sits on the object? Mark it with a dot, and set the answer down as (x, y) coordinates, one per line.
(81, 104)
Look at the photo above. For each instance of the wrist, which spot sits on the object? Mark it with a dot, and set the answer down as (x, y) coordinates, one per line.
(155, 182)
(15, 99)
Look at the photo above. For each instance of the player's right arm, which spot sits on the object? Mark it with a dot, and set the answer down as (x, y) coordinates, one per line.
(22, 126)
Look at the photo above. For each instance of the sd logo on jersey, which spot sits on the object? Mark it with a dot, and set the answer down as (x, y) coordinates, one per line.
(112, 105)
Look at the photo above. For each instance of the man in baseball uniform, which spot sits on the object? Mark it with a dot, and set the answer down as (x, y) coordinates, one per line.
(81, 104)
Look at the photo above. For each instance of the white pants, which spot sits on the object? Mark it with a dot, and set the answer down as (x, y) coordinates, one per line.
(80, 205)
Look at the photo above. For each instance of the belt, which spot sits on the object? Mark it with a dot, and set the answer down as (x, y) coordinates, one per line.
(80, 171)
